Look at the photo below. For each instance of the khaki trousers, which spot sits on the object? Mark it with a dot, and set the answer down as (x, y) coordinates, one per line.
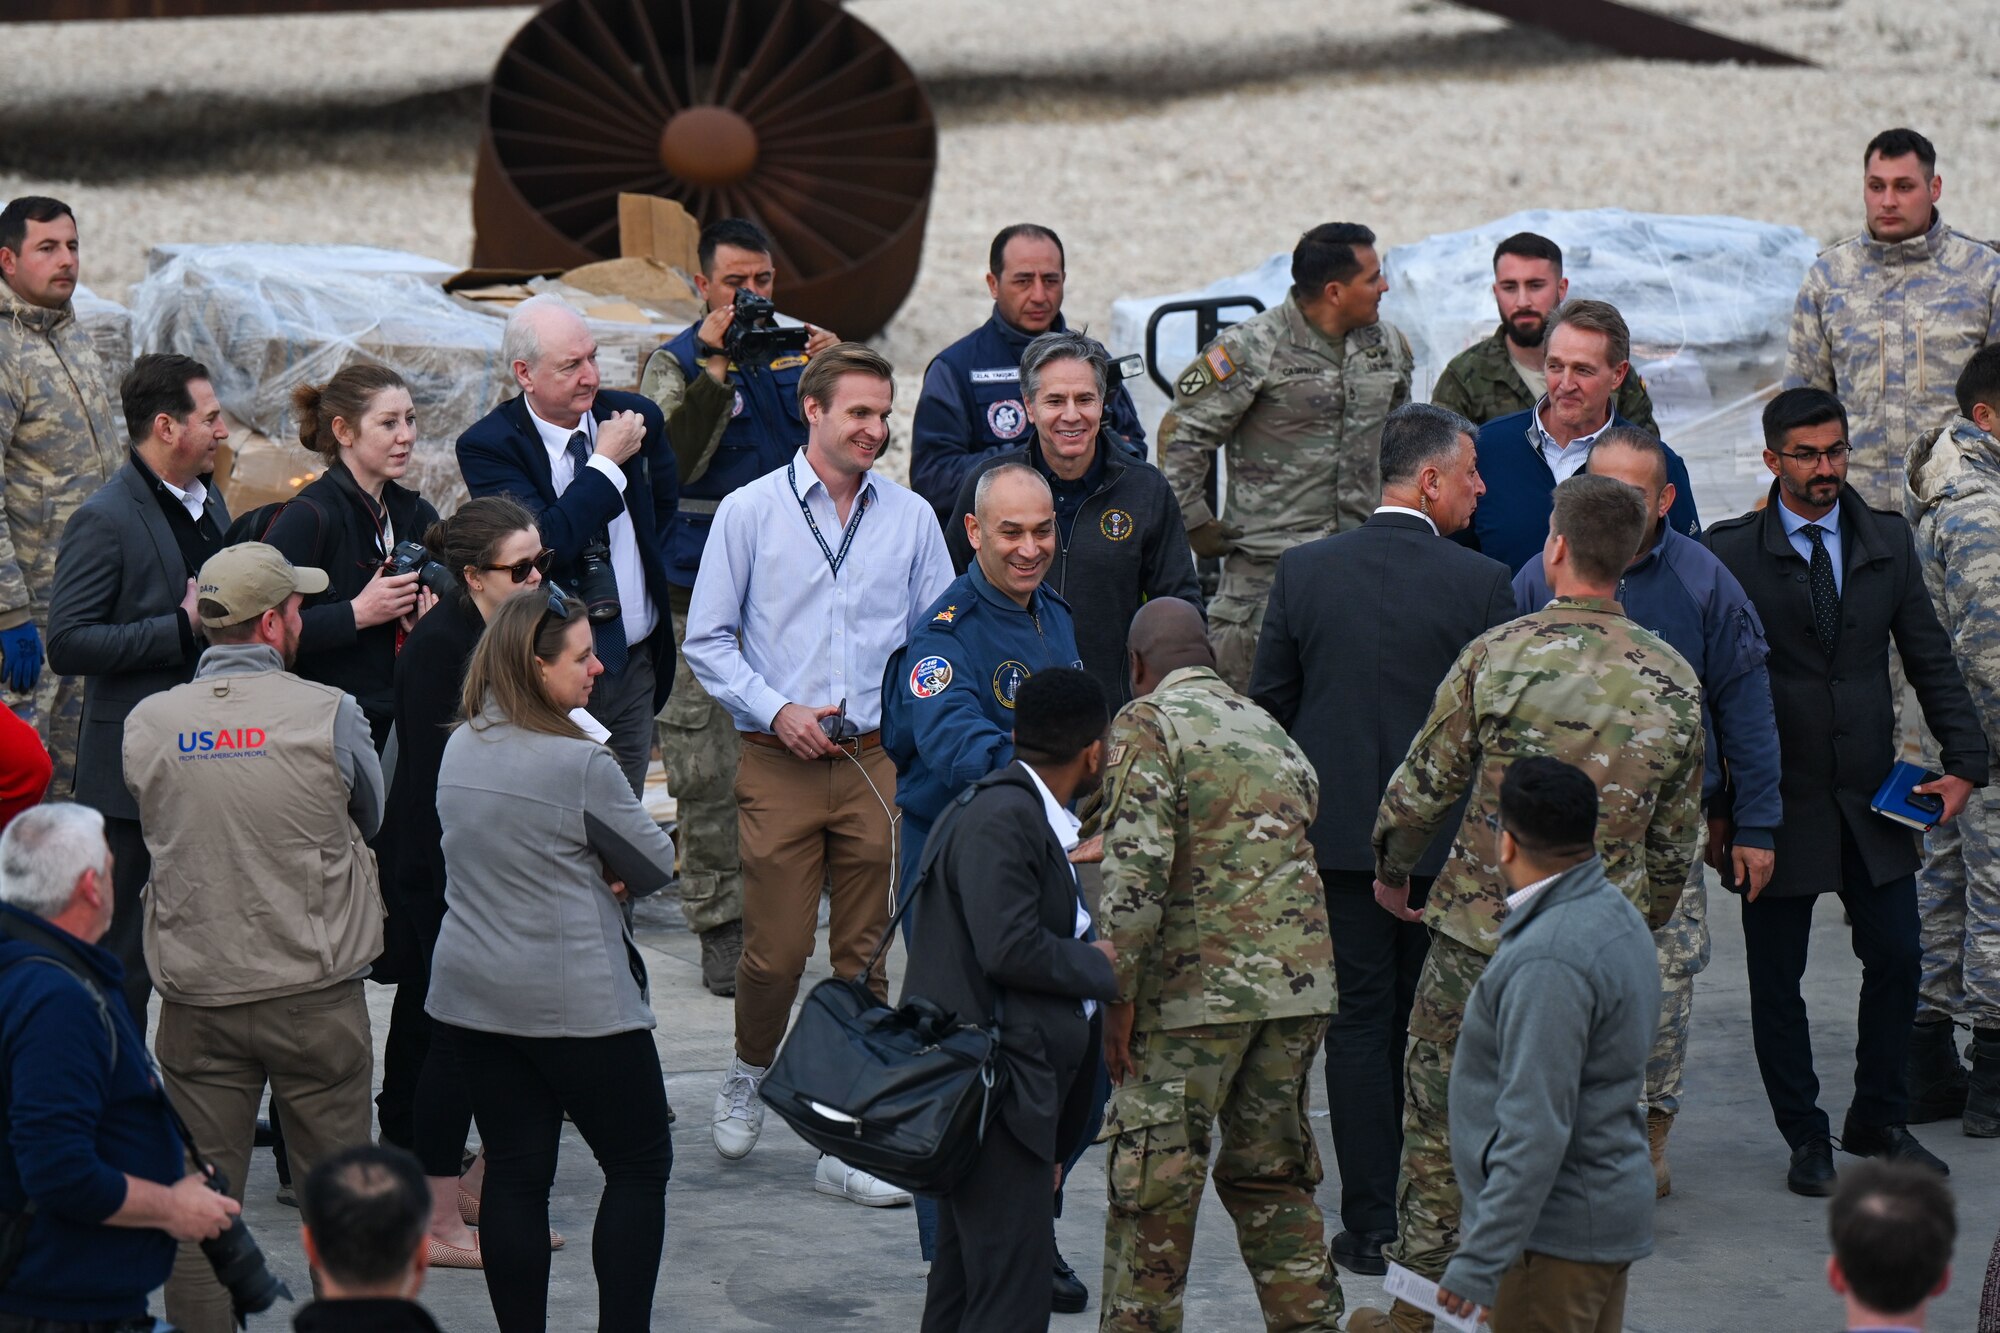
(316, 1052)
(807, 824)
(1543, 1294)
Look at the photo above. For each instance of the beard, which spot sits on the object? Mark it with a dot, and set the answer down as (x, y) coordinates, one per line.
(1523, 334)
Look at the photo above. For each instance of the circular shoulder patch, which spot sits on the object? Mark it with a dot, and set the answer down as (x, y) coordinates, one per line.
(929, 677)
(1116, 524)
(1007, 419)
(1007, 678)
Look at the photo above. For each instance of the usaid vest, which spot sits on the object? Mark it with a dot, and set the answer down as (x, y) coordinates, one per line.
(766, 427)
(262, 886)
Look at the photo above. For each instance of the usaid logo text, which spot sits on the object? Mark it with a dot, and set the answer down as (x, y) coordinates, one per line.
(225, 744)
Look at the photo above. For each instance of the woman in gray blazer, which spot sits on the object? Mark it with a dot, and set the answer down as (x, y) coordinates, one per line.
(538, 993)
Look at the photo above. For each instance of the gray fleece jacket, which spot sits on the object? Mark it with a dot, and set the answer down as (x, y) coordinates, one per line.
(1547, 1132)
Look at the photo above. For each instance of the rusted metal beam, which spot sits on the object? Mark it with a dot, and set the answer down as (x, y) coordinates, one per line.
(1633, 32)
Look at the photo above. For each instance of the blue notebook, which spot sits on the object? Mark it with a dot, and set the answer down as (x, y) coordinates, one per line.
(1894, 800)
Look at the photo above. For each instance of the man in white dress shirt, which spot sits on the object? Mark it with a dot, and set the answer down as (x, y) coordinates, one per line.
(812, 576)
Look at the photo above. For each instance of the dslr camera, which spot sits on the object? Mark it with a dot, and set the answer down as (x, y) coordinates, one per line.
(755, 332)
(238, 1263)
(597, 582)
(411, 557)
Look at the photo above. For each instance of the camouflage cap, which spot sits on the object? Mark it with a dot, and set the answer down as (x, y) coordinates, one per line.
(249, 579)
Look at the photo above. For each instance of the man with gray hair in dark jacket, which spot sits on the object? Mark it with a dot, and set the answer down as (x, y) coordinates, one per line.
(1547, 1135)
(1121, 541)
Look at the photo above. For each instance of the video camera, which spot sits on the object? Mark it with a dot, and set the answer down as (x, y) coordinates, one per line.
(755, 332)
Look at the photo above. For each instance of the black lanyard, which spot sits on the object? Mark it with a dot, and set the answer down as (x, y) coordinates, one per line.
(833, 560)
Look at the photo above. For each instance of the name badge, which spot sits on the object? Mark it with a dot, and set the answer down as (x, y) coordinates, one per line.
(997, 375)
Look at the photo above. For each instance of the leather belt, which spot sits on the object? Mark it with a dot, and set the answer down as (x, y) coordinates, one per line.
(866, 741)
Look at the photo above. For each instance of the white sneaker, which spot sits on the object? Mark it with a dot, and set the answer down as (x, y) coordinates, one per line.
(739, 1116)
(835, 1177)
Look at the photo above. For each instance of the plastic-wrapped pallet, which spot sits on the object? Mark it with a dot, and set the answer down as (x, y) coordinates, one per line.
(1708, 300)
(110, 328)
(267, 318)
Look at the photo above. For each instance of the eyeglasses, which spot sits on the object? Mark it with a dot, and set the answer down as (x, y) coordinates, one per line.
(539, 562)
(1812, 457)
(560, 606)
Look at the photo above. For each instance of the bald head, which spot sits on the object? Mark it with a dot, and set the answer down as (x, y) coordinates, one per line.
(1166, 635)
(1012, 529)
(553, 357)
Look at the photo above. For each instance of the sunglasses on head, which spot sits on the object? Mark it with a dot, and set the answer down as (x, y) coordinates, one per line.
(539, 562)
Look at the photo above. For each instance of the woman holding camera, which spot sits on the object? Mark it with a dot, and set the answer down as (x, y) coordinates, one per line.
(347, 523)
(538, 994)
(494, 552)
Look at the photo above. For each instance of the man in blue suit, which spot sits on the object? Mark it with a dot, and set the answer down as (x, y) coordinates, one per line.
(593, 466)
(1523, 456)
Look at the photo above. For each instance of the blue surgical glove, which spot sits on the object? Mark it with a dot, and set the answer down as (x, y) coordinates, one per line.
(21, 657)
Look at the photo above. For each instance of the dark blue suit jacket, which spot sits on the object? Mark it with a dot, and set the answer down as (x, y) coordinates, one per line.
(502, 454)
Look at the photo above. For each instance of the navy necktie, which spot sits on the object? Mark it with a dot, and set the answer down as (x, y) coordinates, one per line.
(1825, 592)
(607, 636)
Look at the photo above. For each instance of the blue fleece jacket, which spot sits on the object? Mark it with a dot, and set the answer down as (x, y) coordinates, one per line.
(1512, 521)
(1688, 597)
(76, 1125)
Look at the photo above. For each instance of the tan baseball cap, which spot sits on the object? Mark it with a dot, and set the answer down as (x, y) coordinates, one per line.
(250, 579)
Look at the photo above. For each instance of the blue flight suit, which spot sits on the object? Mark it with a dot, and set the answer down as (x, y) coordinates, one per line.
(766, 428)
(971, 408)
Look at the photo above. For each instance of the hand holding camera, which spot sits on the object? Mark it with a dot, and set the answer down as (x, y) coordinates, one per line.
(384, 598)
(196, 1212)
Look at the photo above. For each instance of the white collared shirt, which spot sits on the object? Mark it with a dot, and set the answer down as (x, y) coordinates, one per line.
(1519, 898)
(1066, 827)
(1565, 460)
(769, 622)
(193, 499)
(1830, 522)
(1413, 513)
(640, 615)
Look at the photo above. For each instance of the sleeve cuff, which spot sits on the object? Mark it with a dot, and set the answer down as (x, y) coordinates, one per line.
(1460, 1281)
(1762, 838)
(765, 707)
(610, 470)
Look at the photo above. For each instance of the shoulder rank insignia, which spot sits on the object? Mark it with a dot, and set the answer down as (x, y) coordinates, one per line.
(949, 614)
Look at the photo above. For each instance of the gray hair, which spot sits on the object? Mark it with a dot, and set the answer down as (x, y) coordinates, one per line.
(1064, 346)
(521, 340)
(45, 851)
(1417, 435)
(988, 478)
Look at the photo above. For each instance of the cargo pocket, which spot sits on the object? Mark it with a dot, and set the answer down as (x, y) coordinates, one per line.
(1147, 1160)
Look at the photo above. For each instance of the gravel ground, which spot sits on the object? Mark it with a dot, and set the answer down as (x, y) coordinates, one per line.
(1169, 141)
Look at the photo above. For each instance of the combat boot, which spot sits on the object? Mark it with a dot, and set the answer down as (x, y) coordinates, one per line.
(1937, 1080)
(721, 949)
(1401, 1318)
(1982, 1101)
(1658, 1124)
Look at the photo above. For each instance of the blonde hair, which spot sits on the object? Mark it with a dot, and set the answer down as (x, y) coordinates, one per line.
(345, 397)
(503, 670)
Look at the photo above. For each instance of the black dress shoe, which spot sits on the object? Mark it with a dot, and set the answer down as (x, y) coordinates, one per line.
(1892, 1143)
(1812, 1172)
(1361, 1251)
(1070, 1295)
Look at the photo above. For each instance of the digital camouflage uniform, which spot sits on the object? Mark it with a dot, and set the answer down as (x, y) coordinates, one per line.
(1302, 421)
(60, 439)
(1953, 504)
(1579, 681)
(1684, 950)
(1886, 329)
(1214, 900)
(1480, 384)
(699, 747)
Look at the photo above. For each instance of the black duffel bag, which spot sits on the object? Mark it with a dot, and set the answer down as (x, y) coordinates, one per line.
(903, 1094)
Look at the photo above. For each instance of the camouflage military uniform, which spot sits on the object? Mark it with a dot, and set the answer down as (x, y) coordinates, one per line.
(1213, 898)
(1887, 328)
(1481, 384)
(1684, 948)
(1953, 504)
(1302, 419)
(60, 439)
(1579, 681)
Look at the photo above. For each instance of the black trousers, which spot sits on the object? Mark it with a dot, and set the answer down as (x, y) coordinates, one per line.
(612, 1089)
(1376, 962)
(1884, 935)
(132, 866)
(991, 1274)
